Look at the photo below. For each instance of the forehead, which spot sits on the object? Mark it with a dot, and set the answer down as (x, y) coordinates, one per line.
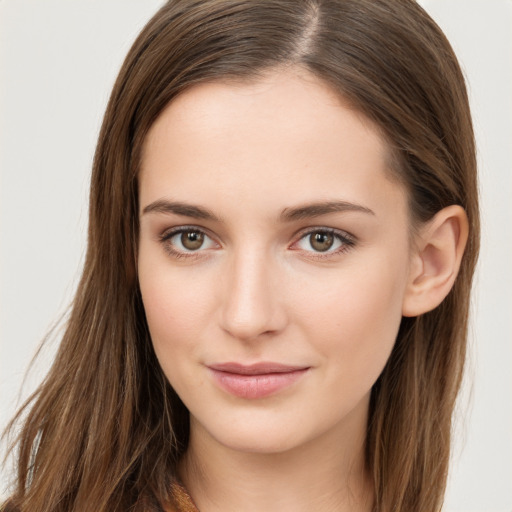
(291, 98)
(286, 132)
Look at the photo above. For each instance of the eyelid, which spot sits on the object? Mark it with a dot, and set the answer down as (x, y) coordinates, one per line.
(170, 232)
(345, 235)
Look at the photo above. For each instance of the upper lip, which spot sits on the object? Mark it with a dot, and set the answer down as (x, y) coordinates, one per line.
(256, 368)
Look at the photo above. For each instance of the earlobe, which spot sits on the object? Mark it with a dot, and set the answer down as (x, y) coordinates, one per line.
(436, 260)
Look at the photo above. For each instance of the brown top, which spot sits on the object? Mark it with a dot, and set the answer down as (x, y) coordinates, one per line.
(182, 502)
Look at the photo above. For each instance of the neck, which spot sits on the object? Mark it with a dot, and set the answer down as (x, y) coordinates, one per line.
(325, 475)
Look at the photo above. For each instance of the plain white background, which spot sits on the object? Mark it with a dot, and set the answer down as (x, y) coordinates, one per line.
(59, 59)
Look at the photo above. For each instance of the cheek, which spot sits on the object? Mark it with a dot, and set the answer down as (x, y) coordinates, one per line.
(353, 319)
(177, 306)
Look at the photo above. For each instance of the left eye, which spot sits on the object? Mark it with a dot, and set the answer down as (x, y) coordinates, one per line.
(323, 241)
(189, 240)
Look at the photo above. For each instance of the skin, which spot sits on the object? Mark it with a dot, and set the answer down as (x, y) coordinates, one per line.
(258, 290)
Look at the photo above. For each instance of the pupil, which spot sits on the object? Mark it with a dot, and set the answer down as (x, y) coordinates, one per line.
(321, 241)
(192, 240)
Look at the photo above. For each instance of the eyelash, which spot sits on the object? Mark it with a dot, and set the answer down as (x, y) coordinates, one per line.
(346, 240)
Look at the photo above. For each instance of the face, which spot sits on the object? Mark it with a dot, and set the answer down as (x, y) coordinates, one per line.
(273, 259)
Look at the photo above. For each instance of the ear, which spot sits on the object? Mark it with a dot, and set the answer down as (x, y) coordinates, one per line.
(435, 260)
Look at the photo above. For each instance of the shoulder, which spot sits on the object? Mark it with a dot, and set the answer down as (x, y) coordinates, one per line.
(181, 501)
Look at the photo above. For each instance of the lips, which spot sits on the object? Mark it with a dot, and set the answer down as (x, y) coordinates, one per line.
(256, 380)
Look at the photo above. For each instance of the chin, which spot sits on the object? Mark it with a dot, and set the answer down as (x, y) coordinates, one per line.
(254, 433)
(259, 443)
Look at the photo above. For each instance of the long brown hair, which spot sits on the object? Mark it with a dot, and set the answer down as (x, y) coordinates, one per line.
(105, 430)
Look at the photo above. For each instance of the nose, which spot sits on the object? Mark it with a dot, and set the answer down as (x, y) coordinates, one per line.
(252, 300)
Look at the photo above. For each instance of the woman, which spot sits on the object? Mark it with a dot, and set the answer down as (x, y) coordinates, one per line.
(273, 310)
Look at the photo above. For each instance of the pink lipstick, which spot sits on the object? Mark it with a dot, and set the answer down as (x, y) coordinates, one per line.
(256, 380)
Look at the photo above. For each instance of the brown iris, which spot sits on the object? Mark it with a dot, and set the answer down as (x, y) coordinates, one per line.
(321, 242)
(192, 240)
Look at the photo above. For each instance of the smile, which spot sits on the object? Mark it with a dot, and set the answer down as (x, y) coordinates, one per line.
(255, 381)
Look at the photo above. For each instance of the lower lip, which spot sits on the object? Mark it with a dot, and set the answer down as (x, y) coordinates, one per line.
(256, 386)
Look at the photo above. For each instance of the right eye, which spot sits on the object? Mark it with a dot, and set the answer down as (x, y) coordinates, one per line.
(185, 241)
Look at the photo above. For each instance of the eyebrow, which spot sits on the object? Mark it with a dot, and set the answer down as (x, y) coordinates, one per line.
(322, 208)
(179, 208)
(307, 211)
